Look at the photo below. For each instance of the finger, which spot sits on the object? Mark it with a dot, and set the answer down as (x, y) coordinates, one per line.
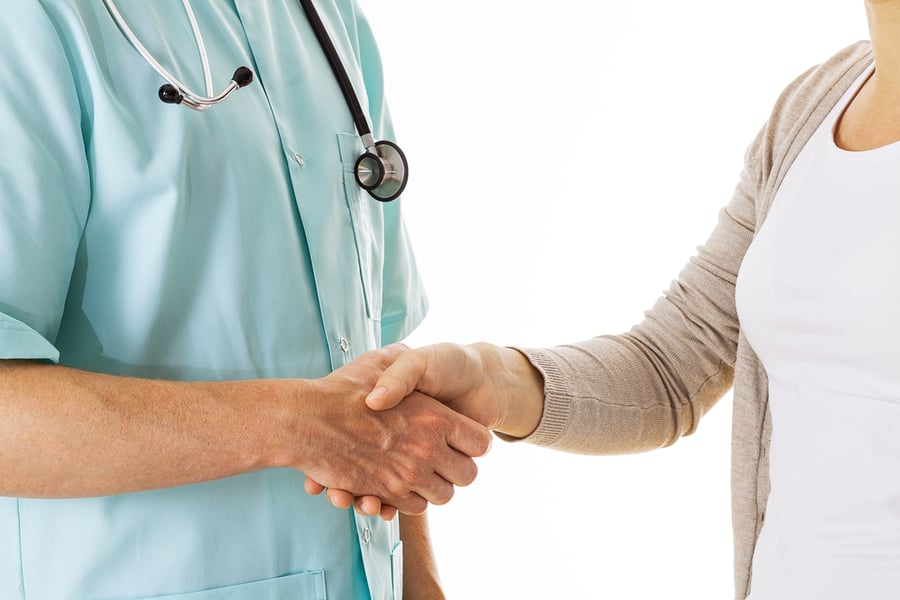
(313, 488)
(388, 512)
(339, 498)
(398, 380)
(410, 504)
(368, 506)
(468, 436)
(435, 489)
(456, 468)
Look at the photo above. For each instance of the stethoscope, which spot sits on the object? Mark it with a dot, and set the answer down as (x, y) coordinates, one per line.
(382, 169)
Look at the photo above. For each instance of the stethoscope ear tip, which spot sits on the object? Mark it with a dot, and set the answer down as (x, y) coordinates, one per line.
(243, 76)
(169, 94)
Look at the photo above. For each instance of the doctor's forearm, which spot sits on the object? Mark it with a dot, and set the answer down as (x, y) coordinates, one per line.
(70, 433)
(420, 573)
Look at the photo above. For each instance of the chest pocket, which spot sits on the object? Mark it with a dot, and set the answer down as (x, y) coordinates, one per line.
(309, 585)
(367, 219)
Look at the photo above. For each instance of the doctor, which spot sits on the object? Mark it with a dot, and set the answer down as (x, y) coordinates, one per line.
(187, 299)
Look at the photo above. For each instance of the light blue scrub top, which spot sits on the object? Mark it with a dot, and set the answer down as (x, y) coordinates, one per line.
(139, 238)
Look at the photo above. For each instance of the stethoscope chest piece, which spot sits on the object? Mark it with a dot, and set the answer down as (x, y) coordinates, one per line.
(382, 171)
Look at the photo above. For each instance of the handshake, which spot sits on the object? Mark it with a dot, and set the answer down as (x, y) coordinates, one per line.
(398, 428)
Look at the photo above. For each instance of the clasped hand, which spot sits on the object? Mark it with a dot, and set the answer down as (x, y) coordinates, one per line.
(476, 381)
(397, 459)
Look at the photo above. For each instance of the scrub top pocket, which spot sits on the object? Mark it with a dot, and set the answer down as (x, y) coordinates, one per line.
(309, 585)
(368, 225)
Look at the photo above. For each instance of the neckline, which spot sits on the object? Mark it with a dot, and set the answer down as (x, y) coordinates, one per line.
(838, 114)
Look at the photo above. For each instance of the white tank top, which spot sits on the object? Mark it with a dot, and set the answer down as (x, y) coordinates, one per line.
(818, 296)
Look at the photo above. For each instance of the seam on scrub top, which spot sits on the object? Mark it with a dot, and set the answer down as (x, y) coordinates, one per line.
(21, 558)
(395, 318)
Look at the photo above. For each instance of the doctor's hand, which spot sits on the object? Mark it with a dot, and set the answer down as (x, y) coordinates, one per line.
(498, 387)
(406, 457)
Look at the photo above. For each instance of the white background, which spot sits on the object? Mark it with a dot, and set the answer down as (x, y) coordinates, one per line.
(566, 159)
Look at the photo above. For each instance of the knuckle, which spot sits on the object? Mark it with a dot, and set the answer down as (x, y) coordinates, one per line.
(397, 489)
(418, 359)
(396, 349)
(439, 425)
(409, 475)
(427, 452)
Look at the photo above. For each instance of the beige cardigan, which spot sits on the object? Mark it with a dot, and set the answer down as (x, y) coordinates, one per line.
(646, 388)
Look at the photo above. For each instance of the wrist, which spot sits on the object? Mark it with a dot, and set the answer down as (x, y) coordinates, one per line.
(282, 432)
(523, 405)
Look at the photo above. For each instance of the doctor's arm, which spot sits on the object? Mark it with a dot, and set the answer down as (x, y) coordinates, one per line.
(420, 574)
(71, 433)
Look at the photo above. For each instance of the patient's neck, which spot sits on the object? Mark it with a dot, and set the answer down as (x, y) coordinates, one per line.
(884, 30)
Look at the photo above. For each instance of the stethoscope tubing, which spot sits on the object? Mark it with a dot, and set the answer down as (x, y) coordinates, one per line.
(194, 100)
(382, 170)
(340, 73)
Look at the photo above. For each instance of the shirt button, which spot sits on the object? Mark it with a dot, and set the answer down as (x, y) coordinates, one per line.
(299, 158)
(367, 535)
(345, 345)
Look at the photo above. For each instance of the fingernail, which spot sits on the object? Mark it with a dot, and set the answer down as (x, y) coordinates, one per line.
(377, 393)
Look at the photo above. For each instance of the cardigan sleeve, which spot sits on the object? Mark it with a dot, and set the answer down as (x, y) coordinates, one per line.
(646, 388)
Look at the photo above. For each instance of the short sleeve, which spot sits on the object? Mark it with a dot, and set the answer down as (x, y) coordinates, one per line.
(18, 340)
(44, 180)
(404, 302)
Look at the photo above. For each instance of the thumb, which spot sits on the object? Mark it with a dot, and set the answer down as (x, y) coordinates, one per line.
(398, 381)
(382, 397)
